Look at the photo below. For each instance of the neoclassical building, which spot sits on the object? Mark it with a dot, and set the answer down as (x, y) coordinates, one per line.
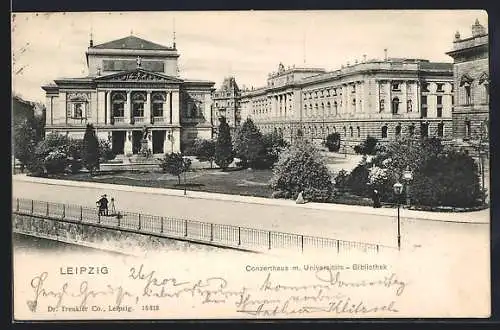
(381, 98)
(471, 74)
(132, 84)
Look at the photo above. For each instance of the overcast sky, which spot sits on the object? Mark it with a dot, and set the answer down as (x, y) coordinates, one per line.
(247, 44)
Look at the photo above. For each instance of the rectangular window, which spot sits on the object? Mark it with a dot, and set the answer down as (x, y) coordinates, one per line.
(439, 111)
(439, 100)
(139, 109)
(158, 109)
(118, 110)
(424, 100)
(78, 111)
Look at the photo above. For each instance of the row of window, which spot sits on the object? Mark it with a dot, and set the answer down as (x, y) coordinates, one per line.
(118, 100)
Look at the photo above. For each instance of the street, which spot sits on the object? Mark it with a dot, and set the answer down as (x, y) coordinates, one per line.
(416, 233)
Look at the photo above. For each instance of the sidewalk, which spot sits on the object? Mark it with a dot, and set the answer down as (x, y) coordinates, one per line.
(476, 217)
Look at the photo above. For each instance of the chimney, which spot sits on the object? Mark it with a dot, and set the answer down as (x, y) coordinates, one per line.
(91, 42)
(385, 54)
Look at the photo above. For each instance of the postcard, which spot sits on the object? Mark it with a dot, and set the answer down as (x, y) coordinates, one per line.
(250, 165)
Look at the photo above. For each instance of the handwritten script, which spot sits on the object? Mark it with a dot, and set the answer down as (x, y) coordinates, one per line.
(322, 292)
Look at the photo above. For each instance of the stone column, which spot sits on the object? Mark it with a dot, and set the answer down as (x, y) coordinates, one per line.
(167, 110)
(345, 105)
(389, 96)
(175, 107)
(127, 147)
(127, 113)
(150, 140)
(362, 104)
(147, 108)
(109, 109)
(403, 106)
(377, 96)
(101, 103)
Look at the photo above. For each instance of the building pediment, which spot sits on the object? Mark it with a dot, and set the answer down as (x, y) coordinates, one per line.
(139, 75)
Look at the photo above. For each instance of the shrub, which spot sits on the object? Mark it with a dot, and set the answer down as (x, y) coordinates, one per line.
(106, 152)
(224, 147)
(175, 164)
(341, 180)
(368, 147)
(358, 180)
(301, 168)
(333, 142)
(55, 162)
(274, 144)
(204, 150)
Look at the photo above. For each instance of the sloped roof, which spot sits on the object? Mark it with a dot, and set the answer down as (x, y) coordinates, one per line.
(131, 42)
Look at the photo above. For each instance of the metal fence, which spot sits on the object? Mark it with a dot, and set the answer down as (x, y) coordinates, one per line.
(189, 230)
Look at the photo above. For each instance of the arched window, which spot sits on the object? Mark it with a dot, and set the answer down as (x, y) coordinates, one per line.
(118, 104)
(350, 131)
(381, 106)
(465, 92)
(395, 106)
(328, 108)
(397, 131)
(409, 106)
(158, 100)
(335, 108)
(359, 131)
(322, 109)
(384, 131)
(345, 131)
(315, 109)
(138, 101)
(310, 110)
(484, 81)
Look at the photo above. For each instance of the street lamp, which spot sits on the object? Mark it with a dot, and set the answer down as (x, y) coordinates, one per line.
(407, 177)
(398, 189)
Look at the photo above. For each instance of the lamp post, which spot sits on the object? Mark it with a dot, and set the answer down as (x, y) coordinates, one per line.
(398, 189)
(407, 177)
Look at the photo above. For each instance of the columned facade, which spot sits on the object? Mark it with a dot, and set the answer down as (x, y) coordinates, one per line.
(127, 106)
(383, 99)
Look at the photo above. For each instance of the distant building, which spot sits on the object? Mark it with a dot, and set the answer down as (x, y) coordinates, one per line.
(226, 103)
(132, 83)
(385, 99)
(471, 75)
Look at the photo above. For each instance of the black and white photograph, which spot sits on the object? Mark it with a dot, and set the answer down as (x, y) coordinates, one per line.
(250, 164)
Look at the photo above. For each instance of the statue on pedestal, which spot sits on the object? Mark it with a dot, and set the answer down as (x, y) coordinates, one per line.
(145, 151)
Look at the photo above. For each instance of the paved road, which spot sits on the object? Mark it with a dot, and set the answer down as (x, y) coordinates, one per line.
(370, 228)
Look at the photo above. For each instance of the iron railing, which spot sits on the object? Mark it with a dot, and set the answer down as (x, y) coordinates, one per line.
(188, 230)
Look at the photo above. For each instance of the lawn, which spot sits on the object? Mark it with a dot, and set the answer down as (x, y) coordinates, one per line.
(234, 181)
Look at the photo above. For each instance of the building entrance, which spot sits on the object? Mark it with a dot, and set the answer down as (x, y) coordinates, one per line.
(158, 139)
(136, 141)
(118, 142)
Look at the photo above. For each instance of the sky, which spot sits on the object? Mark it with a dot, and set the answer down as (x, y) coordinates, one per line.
(245, 44)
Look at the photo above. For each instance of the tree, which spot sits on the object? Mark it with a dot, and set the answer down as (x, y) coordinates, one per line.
(204, 150)
(51, 155)
(90, 151)
(248, 144)
(333, 142)
(301, 168)
(24, 140)
(175, 164)
(105, 151)
(368, 147)
(224, 147)
(274, 144)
